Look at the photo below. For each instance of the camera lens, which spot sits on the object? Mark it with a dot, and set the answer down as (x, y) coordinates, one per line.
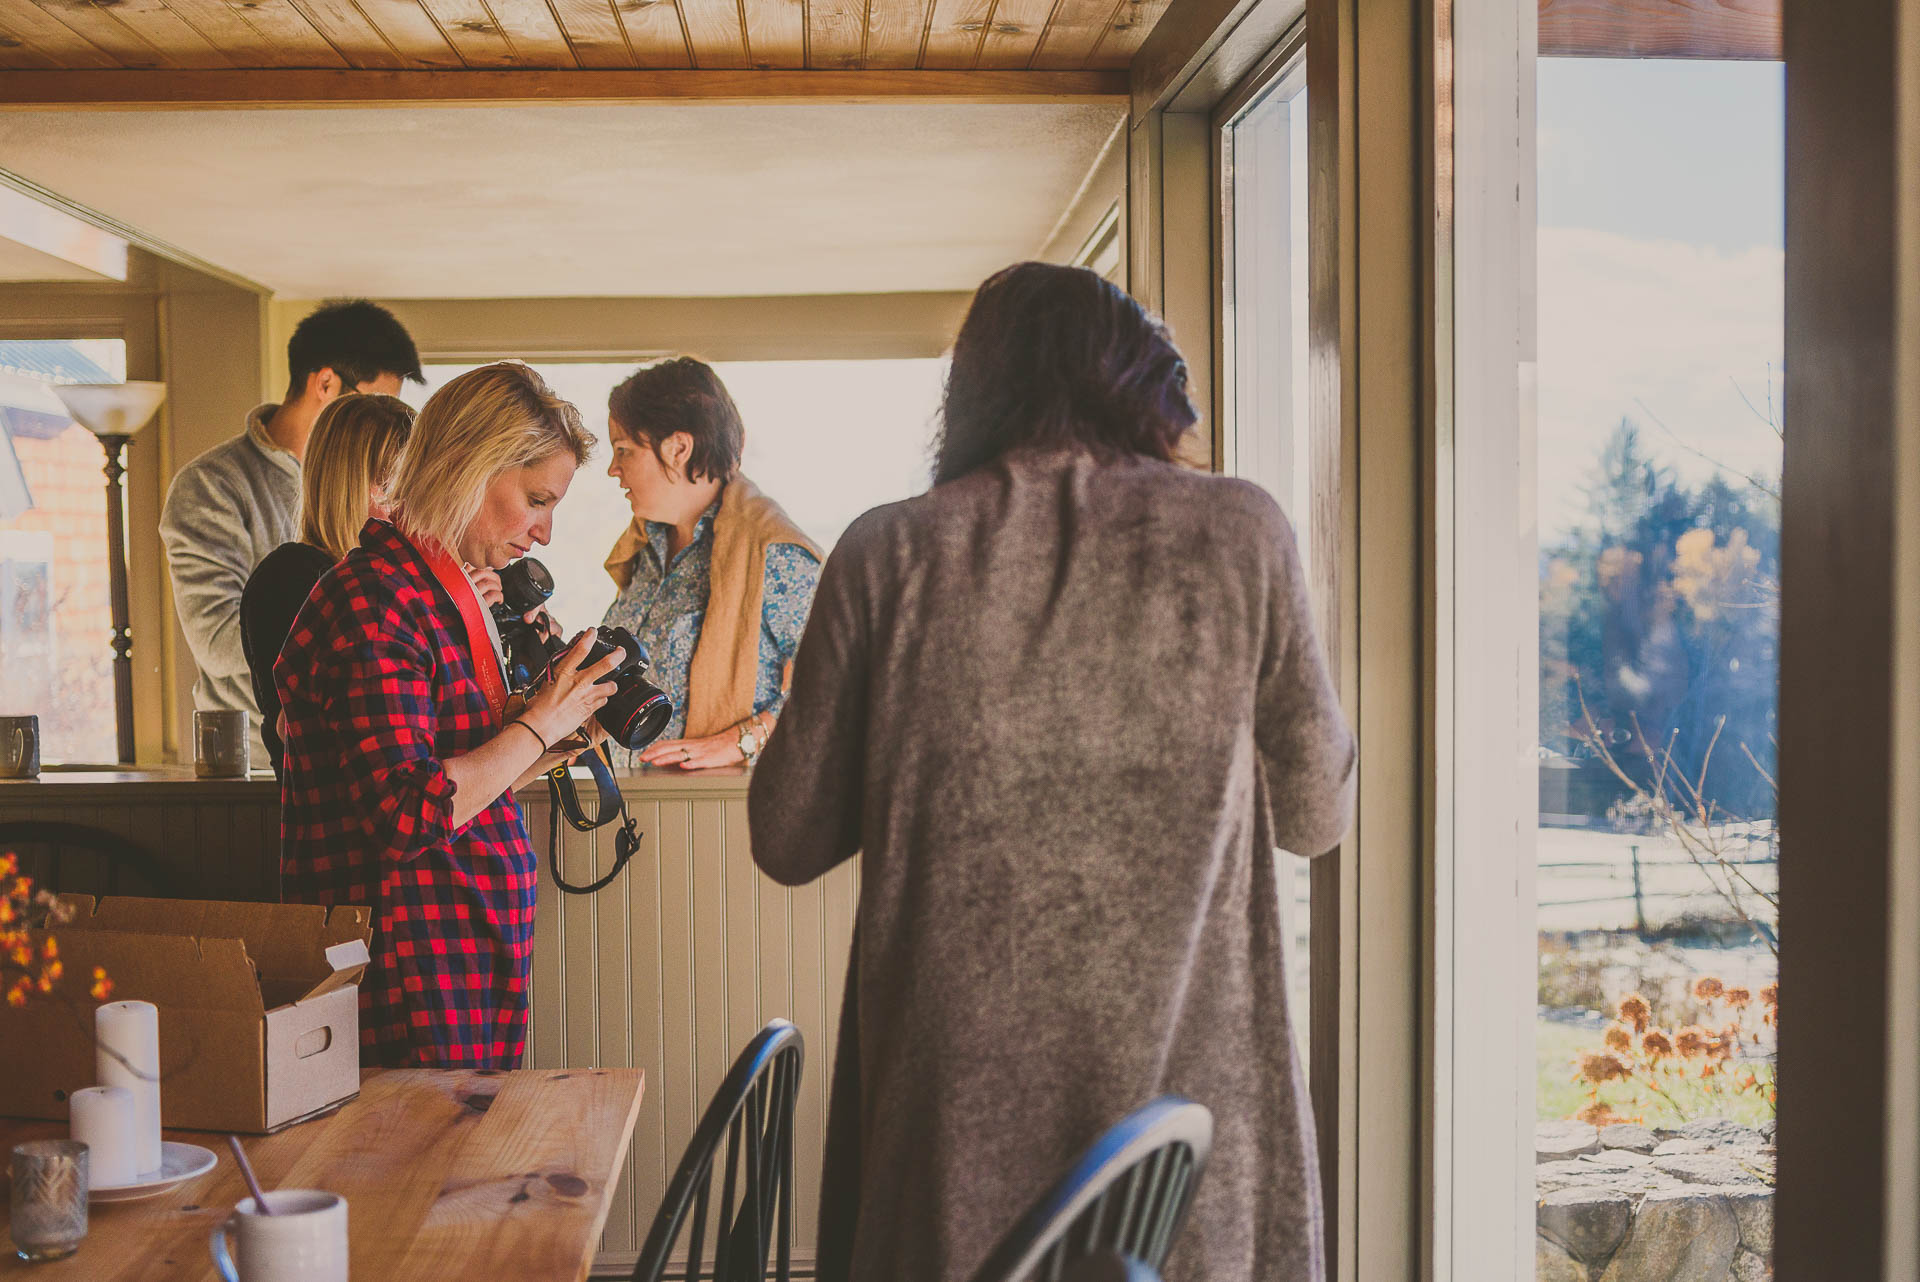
(638, 710)
(525, 585)
(637, 714)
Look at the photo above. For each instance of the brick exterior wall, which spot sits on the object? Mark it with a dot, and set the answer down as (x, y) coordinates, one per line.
(69, 495)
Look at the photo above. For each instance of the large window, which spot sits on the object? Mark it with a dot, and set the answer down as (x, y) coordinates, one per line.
(827, 439)
(1660, 273)
(56, 619)
(1266, 436)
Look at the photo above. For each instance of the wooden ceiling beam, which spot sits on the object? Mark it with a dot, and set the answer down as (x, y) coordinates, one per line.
(292, 87)
(1730, 29)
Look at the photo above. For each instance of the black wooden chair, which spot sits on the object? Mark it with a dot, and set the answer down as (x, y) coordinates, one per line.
(79, 858)
(1110, 1266)
(1128, 1196)
(753, 1112)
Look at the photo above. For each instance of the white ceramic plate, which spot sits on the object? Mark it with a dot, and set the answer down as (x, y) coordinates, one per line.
(178, 1164)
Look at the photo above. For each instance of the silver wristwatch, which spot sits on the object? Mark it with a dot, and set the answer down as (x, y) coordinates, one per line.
(749, 743)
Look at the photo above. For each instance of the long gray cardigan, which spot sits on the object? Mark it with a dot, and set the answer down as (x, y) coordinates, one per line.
(1066, 710)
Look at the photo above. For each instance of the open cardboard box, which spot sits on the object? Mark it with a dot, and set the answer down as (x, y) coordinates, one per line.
(259, 1009)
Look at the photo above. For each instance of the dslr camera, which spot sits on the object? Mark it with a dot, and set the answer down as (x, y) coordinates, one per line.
(638, 710)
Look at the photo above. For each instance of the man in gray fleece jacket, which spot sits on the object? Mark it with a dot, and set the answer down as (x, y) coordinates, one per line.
(241, 499)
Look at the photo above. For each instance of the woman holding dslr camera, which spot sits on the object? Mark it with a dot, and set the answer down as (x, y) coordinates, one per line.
(402, 750)
(715, 579)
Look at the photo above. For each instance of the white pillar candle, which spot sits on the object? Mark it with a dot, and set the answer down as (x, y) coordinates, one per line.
(103, 1120)
(127, 1054)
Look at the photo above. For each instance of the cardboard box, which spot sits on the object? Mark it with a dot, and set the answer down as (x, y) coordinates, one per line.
(259, 1009)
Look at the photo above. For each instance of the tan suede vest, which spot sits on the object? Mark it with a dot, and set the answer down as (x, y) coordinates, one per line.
(726, 658)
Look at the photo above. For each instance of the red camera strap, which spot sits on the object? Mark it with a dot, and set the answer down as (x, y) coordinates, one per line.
(486, 668)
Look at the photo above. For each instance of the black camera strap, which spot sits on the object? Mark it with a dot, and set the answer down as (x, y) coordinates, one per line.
(564, 799)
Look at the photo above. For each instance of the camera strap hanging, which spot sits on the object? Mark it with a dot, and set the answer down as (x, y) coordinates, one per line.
(561, 795)
(563, 799)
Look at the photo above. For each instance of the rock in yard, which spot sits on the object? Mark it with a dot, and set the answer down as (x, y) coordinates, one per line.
(1589, 1223)
(1767, 1130)
(1555, 1176)
(1551, 1177)
(1551, 1263)
(1682, 1235)
(1748, 1267)
(1626, 1135)
(1670, 1148)
(1718, 1132)
(1753, 1210)
(1707, 1168)
(1617, 1159)
(1557, 1141)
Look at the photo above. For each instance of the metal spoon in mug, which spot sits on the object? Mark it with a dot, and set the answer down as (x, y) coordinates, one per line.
(246, 1173)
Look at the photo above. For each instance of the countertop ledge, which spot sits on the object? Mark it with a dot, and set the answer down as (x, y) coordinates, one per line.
(180, 781)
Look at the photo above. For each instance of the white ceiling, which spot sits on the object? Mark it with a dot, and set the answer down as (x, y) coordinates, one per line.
(546, 201)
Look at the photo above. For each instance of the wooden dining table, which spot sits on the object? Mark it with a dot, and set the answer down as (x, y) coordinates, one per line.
(449, 1176)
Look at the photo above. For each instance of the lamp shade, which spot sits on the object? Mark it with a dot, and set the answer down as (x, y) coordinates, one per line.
(112, 409)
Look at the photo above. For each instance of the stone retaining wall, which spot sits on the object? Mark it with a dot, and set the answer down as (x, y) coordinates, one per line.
(1639, 1204)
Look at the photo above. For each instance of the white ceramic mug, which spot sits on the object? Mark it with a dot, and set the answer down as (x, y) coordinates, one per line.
(304, 1240)
(19, 747)
(220, 744)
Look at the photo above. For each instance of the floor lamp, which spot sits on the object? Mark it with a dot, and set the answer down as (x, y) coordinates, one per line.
(114, 412)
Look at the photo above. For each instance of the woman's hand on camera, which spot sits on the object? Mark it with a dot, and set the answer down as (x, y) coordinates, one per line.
(574, 694)
(487, 583)
(721, 749)
(542, 618)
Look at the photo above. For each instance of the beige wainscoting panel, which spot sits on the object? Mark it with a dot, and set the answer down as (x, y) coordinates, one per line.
(214, 839)
(674, 967)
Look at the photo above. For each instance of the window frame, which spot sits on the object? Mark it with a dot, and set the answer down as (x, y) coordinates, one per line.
(128, 313)
(1406, 204)
(1483, 941)
(1285, 60)
(1369, 390)
(106, 329)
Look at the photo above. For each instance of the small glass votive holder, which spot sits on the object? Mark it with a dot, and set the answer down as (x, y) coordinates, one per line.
(49, 1200)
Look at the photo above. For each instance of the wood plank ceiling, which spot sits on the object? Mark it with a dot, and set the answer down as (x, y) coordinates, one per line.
(453, 35)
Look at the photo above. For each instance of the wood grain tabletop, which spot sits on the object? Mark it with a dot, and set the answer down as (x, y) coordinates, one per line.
(449, 1176)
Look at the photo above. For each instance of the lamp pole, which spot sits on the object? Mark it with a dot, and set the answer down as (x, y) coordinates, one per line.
(114, 412)
(115, 444)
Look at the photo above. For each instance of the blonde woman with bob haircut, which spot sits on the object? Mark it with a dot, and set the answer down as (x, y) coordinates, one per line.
(402, 750)
(350, 456)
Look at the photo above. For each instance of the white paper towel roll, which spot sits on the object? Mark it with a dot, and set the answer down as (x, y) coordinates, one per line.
(133, 1030)
(103, 1120)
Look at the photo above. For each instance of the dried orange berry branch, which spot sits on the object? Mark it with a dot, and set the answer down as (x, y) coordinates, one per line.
(27, 971)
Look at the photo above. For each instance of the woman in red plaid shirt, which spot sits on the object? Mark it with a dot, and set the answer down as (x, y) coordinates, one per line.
(402, 755)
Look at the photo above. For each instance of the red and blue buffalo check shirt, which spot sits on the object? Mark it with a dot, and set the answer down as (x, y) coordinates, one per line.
(378, 685)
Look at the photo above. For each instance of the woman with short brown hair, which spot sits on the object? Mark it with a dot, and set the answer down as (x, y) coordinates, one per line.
(715, 579)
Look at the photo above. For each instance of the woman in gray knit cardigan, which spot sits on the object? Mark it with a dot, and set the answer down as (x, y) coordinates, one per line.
(1067, 704)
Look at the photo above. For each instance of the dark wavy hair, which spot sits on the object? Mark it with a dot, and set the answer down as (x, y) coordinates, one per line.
(1055, 357)
(682, 395)
(357, 340)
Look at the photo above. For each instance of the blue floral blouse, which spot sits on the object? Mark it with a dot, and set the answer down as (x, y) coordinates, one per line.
(665, 604)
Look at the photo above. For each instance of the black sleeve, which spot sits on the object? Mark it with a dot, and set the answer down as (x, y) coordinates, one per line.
(270, 603)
